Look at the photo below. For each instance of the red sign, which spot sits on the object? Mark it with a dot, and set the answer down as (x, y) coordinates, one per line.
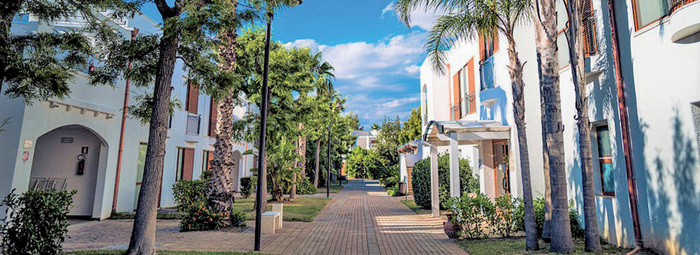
(25, 156)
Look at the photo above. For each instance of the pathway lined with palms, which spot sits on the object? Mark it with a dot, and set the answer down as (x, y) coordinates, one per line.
(361, 219)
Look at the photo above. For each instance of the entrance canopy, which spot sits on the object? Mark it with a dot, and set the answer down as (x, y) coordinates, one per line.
(466, 131)
(453, 134)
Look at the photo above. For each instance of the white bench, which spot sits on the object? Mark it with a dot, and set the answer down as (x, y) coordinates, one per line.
(280, 209)
(270, 222)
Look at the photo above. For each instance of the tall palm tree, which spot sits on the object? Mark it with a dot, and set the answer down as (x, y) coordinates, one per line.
(552, 127)
(323, 73)
(465, 20)
(574, 11)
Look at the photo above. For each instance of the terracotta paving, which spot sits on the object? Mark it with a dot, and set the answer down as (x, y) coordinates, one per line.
(361, 219)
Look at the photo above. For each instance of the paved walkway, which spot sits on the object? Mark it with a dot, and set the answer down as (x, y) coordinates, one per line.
(361, 219)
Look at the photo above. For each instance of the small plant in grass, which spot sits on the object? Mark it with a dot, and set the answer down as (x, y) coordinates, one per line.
(248, 186)
(306, 187)
(504, 220)
(238, 218)
(36, 222)
(200, 217)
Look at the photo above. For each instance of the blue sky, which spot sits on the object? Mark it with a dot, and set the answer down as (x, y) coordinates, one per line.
(376, 58)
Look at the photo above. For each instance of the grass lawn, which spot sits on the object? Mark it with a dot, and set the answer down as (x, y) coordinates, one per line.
(119, 252)
(335, 188)
(411, 204)
(517, 246)
(301, 209)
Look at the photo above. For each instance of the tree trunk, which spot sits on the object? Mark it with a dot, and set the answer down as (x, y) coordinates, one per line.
(318, 163)
(300, 163)
(546, 40)
(516, 78)
(220, 185)
(546, 226)
(575, 43)
(143, 236)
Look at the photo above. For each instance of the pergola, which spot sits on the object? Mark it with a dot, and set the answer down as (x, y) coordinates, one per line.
(454, 134)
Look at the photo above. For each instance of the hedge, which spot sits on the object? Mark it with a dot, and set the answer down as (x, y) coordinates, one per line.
(469, 182)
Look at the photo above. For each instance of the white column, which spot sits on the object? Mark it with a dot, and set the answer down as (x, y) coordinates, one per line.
(454, 166)
(434, 199)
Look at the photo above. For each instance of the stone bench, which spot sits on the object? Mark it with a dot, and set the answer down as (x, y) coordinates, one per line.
(270, 222)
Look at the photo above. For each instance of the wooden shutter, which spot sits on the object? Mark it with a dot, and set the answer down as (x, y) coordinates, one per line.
(495, 42)
(472, 86)
(456, 97)
(192, 98)
(213, 115)
(188, 164)
(482, 48)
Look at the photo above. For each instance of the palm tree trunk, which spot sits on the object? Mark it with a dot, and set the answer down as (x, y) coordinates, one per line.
(546, 40)
(220, 185)
(318, 163)
(143, 235)
(516, 78)
(546, 226)
(575, 36)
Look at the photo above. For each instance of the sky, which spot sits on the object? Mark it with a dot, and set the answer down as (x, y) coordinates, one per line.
(376, 57)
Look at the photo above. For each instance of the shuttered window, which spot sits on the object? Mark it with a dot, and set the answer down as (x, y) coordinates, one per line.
(185, 164)
(456, 97)
(213, 115)
(605, 161)
(192, 99)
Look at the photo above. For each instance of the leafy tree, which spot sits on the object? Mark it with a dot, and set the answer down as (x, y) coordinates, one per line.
(574, 35)
(387, 141)
(41, 65)
(187, 32)
(363, 163)
(469, 181)
(411, 129)
(485, 18)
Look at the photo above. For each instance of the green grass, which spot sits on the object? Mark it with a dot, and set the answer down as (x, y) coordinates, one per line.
(411, 204)
(335, 188)
(517, 246)
(119, 252)
(301, 209)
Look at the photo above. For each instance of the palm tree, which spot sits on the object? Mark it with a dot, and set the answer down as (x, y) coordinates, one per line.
(574, 9)
(552, 127)
(465, 20)
(323, 73)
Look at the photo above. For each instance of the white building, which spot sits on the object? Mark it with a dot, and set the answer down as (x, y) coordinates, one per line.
(44, 141)
(650, 74)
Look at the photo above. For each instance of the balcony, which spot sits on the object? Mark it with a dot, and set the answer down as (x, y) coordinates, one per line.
(193, 125)
(684, 19)
(486, 73)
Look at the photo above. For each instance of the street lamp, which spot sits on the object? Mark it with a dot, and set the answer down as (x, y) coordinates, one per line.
(328, 172)
(262, 172)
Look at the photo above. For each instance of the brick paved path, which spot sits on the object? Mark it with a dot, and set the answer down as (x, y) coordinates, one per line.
(361, 219)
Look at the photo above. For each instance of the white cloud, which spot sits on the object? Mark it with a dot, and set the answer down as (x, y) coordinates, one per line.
(420, 17)
(388, 8)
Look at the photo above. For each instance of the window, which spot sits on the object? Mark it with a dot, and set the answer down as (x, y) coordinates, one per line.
(207, 157)
(192, 100)
(456, 97)
(590, 44)
(185, 163)
(605, 160)
(696, 121)
(213, 115)
(425, 105)
(488, 45)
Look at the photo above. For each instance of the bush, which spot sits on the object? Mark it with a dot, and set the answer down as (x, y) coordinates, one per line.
(306, 187)
(576, 230)
(187, 192)
(469, 182)
(471, 214)
(238, 218)
(504, 219)
(200, 217)
(36, 222)
(248, 186)
(391, 181)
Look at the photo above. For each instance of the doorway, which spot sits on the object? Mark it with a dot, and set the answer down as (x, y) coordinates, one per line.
(501, 152)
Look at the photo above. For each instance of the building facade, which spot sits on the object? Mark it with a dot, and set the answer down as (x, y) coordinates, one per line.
(73, 143)
(642, 62)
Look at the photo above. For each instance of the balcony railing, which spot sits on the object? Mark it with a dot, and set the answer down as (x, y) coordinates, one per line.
(193, 124)
(486, 72)
(47, 183)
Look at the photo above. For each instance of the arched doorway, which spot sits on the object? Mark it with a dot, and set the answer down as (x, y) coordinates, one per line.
(57, 164)
(236, 170)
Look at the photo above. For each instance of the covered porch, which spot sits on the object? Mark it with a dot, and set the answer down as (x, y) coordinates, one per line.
(491, 137)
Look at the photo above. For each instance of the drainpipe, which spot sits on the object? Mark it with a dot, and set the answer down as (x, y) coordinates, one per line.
(624, 124)
(121, 134)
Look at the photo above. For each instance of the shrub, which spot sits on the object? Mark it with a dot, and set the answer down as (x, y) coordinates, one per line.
(391, 181)
(471, 213)
(238, 218)
(200, 217)
(187, 192)
(469, 182)
(576, 230)
(504, 219)
(306, 187)
(36, 222)
(248, 186)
